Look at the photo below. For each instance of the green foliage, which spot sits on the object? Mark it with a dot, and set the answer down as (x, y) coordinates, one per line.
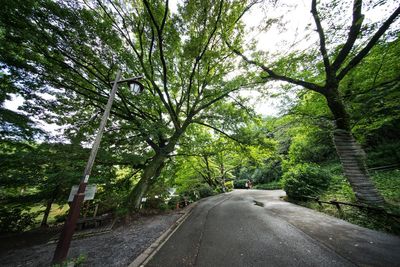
(172, 203)
(16, 219)
(311, 146)
(240, 184)
(269, 186)
(305, 180)
(155, 203)
(270, 171)
(72, 262)
(205, 191)
(60, 218)
(61, 57)
(388, 184)
(383, 154)
(229, 186)
(372, 91)
(339, 189)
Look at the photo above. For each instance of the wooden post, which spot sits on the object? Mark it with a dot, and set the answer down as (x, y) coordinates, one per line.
(334, 202)
(64, 241)
(95, 210)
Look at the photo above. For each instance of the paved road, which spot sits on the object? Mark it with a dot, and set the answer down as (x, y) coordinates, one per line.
(229, 230)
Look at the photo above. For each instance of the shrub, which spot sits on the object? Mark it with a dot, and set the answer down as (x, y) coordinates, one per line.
(60, 218)
(269, 186)
(240, 184)
(122, 211)
(271, 171)
(305, 180)
(16, 219)
(383, 154)
(229, 186)
(173, 202)
(205, 190)
(315, 146)
(154, 203)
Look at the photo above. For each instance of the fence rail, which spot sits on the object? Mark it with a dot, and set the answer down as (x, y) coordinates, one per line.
(385, 168)
(360, 206)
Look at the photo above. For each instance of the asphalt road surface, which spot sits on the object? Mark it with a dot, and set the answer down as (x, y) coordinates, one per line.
(230, 230)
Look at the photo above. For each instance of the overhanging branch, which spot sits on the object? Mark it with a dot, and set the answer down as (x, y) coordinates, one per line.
(275, 76)
(369, 45)
(322, 45)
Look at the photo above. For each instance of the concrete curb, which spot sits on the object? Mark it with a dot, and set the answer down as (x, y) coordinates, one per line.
(146, 256)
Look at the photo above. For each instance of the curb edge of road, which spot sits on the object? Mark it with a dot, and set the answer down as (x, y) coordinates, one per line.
(148, 254)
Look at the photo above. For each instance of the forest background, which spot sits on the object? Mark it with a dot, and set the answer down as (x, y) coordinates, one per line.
(194, 131)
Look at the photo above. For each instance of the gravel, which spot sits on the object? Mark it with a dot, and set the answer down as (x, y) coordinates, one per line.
(116, 248)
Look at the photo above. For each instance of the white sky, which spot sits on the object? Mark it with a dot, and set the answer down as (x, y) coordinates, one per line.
(270, 41)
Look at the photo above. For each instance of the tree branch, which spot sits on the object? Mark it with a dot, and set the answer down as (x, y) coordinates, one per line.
(159, 30)
(218, 130)
(275, 76)
(322, 45)
(369, 45)
(203, 51)
(353, 34)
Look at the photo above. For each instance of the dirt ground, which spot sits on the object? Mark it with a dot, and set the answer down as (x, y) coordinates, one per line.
(116, 248)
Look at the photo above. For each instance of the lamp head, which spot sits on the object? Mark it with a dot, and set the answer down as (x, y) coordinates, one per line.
(135, 87)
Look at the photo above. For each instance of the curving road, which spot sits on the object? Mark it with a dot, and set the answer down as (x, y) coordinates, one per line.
(230, 230)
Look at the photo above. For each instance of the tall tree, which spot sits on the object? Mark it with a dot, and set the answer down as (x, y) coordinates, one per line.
(337, 63)
(71, 49)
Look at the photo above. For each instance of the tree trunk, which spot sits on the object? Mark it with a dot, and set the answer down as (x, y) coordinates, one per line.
(351, 154)
(153, 169)
(135, 197)
(149, 176)
(46, 213)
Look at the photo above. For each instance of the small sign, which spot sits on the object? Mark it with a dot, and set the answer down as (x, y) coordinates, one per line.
(89, 192)
(144, 199)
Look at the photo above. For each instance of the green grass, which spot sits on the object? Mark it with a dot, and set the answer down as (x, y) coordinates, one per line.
(388, 184)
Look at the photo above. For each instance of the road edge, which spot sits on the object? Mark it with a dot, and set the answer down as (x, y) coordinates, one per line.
(148, 254)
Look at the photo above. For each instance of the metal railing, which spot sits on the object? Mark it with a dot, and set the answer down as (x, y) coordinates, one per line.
(360, 206)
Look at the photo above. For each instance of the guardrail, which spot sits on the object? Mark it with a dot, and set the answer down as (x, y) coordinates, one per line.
(360, 206)
(385, 168)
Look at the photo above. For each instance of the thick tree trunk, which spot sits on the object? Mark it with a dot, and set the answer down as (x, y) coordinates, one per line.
(153, 169)
(351, 154)
(46, 213)
(353, 161)
(135, 197)
(150, 174)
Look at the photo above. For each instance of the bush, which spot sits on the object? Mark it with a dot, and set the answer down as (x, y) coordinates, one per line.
(271, 171)
(205, 191)
(315, 146)
(383, 155)
(60, 218)
(269, 186)
(240, 184)
(229, 186)
(154, 203)
(16, 219)
(173, 202)
(305, 180)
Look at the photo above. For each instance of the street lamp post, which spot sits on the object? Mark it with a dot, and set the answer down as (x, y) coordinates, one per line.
(64, 241)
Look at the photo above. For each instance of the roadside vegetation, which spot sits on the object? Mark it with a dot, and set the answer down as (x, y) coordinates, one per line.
(194, 132)
(340, 190)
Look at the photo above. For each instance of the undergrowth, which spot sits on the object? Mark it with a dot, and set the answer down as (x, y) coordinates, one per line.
(388, 184)
(269, 186)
